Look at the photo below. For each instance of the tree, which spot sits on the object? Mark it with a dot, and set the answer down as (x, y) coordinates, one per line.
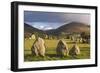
(85, 36)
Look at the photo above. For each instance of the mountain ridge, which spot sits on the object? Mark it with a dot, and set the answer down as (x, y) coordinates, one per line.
(73, 27)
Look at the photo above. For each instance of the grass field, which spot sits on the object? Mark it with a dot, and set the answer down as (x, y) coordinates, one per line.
(51, 53)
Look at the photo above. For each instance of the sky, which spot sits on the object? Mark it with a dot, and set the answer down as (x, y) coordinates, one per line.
(53, 20)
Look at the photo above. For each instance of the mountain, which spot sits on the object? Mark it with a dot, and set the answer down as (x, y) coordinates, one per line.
(29, 30)
(73, 27)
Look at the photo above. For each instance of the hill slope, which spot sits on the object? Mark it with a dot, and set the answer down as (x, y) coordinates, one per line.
(29, 30)
(73, 27)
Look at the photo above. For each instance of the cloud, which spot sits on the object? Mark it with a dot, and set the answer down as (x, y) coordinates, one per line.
(45, 25)
(53, 20)
(55, 17)
(41, 27)
(48, 28)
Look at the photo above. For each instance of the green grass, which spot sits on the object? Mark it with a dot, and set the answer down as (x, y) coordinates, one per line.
(51, 51)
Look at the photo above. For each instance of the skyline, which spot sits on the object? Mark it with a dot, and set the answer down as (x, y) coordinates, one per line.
(53, 20)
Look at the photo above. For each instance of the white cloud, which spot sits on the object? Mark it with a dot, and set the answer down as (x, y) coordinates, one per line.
(41, 27)
(45, 25)
(48, 28)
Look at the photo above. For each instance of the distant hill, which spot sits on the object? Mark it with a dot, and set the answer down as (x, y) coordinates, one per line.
(73, 27)
(29, 30)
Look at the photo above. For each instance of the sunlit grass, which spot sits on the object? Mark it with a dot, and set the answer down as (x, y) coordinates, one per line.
(51, 51)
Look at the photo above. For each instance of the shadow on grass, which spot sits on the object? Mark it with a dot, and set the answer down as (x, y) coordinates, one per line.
(51, 55)
(48, 57)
